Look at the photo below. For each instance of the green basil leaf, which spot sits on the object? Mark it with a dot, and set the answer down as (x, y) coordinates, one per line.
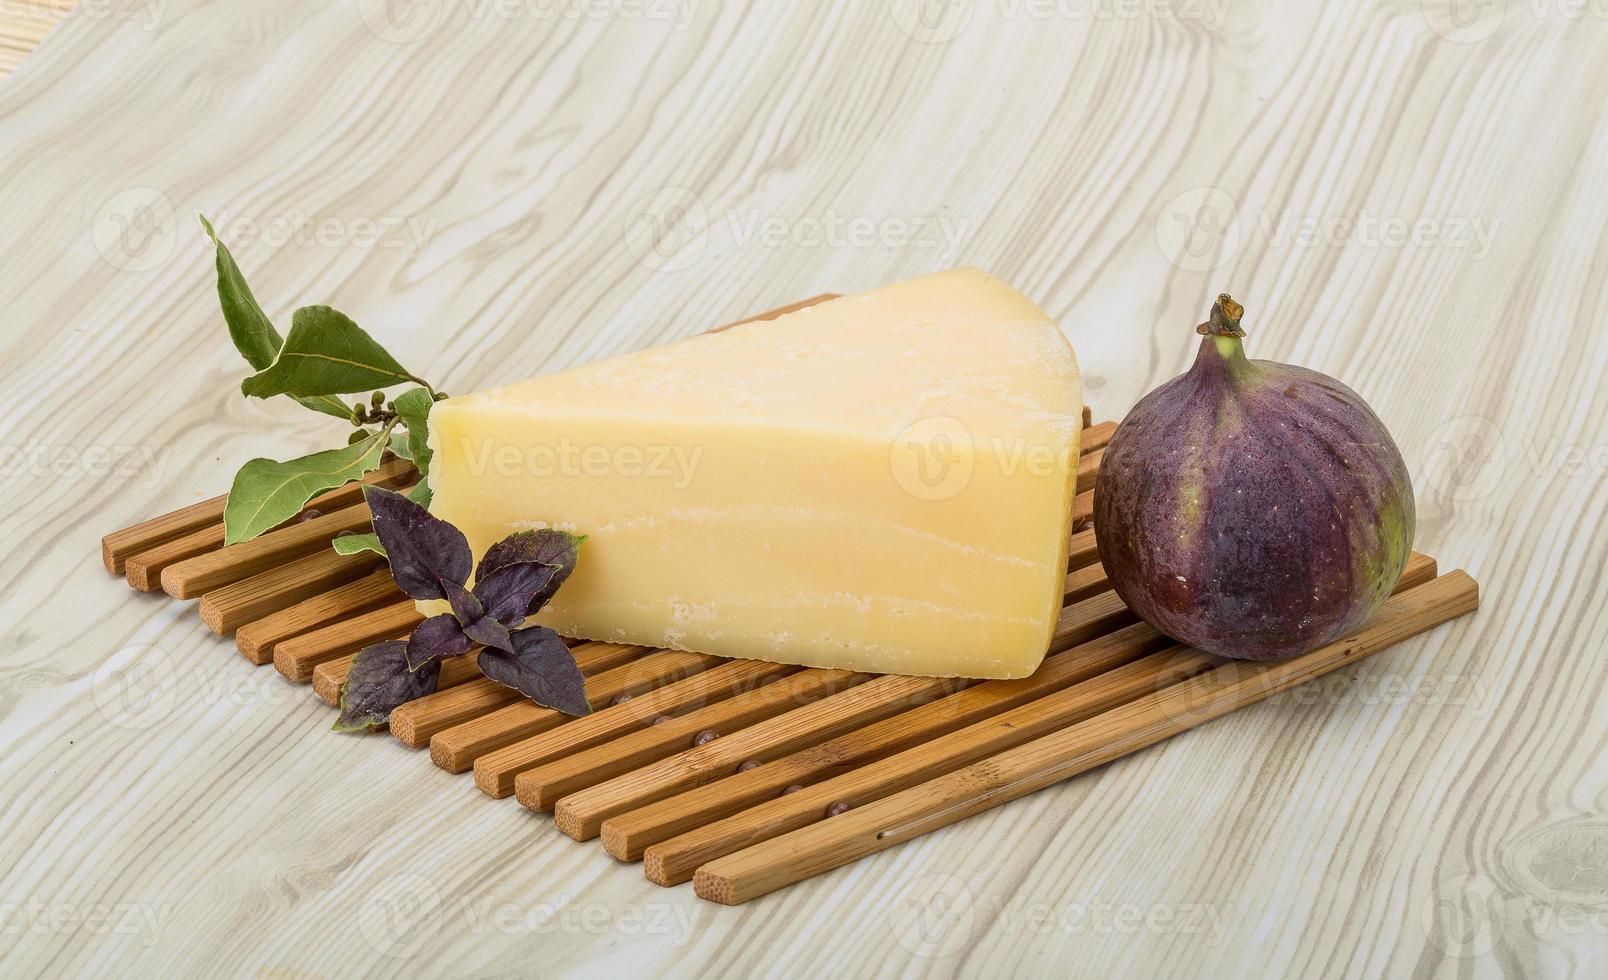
(267, 493)
(413, 407)
(356, 544)
(326, 354)
(420, 494)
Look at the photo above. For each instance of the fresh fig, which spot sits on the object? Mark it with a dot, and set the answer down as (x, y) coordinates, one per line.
(1249, 508)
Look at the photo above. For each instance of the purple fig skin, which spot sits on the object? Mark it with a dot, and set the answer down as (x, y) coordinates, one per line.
(1252, 509)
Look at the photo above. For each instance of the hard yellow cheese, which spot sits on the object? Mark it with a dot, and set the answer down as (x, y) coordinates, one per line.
(882, 482)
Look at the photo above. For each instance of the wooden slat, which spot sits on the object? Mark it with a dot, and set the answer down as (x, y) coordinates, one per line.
(677, 859)
(1083, 510)
(207, 516)
(627, 835)
(416, 722)
(144, 569)
(1096, 437)
(1085, 583)
(193, 576)
(1081, 622)
(541, 787)
(296, 657)
(584, 812)
(711, 821)
(257, 640)
(581, 814)
(1089, 469)
(456, 749)
(495, 770)
(226, 609)
(331, 674)
(1083, 550)
(117, 546)
(1063, 753)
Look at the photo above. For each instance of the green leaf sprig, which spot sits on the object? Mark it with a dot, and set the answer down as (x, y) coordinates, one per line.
(325, 355)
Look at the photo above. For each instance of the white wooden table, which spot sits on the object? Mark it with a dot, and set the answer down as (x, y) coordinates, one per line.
(1410, 197)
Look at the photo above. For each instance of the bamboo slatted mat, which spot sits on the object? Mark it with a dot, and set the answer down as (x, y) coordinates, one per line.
(742, 776)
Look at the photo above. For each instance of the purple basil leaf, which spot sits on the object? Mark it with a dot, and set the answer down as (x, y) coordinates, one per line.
(465, 604)
(426, 553)
(548, 546)
(541, 668)
(471, 614)
(490, 633)
(437, 638)
(510, 591)
(379, 683)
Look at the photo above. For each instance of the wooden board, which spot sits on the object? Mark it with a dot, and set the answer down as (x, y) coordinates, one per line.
(1066, 153)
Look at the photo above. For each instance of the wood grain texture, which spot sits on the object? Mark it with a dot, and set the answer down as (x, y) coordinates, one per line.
(1408, 201)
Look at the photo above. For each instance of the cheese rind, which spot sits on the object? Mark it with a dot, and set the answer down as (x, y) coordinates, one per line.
(882, 482)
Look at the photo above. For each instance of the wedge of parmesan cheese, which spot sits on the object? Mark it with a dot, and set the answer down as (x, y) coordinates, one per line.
(882, 482)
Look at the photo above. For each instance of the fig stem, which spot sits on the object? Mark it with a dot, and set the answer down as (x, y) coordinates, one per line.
(1225, 319)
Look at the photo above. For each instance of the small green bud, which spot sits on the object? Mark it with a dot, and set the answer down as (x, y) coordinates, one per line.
(378, 399)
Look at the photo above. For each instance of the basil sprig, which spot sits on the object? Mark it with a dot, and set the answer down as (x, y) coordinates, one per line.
(430, 559)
